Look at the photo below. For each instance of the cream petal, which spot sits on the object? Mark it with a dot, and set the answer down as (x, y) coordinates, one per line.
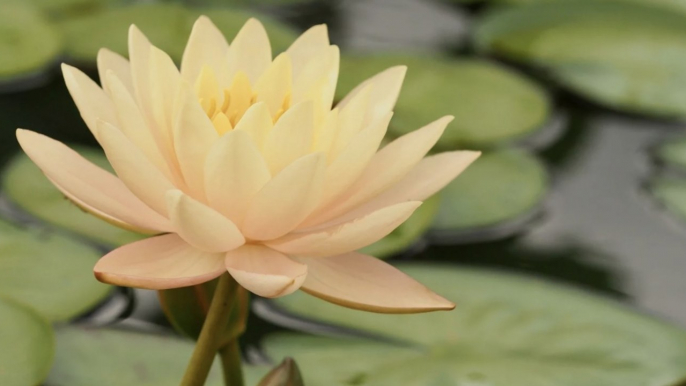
(206, 47)
(325, 134)
(317, 82)
(111, 61)
(275, 84)
(264, 271)
(234, 172)
(92, 188)
(134, 169)
(158, 263)
(139, 58)
(291, 137)
(346, 237)
(307, 46)
(350, 122)
(250, 51)
(385, 90)
(366, 283)
(201, 226)
(164, 81)
(194, 135)
(257, 122)
(386, 168)
(286, 199)
(90, 99)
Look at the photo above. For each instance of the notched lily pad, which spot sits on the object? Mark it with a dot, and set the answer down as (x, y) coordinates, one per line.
(491, 104)
(27, 345)
(622, 54)
(498, 188)
(115, 357)
(507, 330)
(51, 273)
(27, 187)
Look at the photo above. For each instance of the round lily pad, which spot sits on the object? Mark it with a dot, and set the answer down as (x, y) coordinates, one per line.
(507, 330)
(491, 103)
(27, 187)
(673, 153)
(51, 273)
(27, 345)
(168, 26)
(499, 187)
(407, 233)
(114, 357)
(622, 54)
(29, 46)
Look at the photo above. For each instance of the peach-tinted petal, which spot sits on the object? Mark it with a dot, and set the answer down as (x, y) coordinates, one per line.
(385, 90)
(387, 167)
(286, 199)
(291, 137)
(92, 188)
(274, 85)
(158, 263)
(139, 58)
(111, 61)
(317, 82)
(307, 46)
(250, 51)
(264, 271)
(366, 283)
(200, 225)
(234, 172)
(194, 135)
(134, 169)
(164, 80)
(325, 134)
(350, 121)
(346, 237)
(206, 47)
(91, 100)
(257, 122)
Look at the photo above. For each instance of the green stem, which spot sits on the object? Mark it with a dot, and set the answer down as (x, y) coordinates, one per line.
(208, 341)
(230, 355)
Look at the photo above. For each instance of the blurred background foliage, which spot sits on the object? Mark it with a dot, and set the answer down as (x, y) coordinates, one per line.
(578, 106)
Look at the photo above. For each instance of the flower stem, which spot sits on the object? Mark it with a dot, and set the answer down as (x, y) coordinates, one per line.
(230, 355)
(208, 341)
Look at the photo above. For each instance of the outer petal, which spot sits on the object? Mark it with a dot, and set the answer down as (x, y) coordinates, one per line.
(200, 225)
(291, 137)
(92, 188)
(139, 57)
(234, 172)
(158, 263)
(387, 167)
(317, 82)
(366, 283)
(91, 100)
(257, 122)
(264, 271)
(275, 84)
(347, 237)
(285, 200)
(134, 169)
(250, 51)
(350, 121)
(206, 47)
(307, 46)
(111, 61)
(385, 90)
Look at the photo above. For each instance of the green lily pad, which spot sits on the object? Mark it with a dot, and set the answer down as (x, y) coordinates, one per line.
(27, 345)
(507, 330)
(671, 192)
(168, 26)
(498, 187)
(673, 152)
(407, 233)
(59, 8)
(27, 187)
(28, 43)
(51, 273)
(491, 103)
(112, 357)
(622, 54)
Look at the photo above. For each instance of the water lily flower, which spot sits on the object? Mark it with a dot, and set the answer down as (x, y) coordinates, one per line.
(239, 162)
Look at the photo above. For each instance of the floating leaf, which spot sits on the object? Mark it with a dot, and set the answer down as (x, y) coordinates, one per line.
(28, 43)
(507, 330)
(491, 103)
(51, 273)
(407, 233)
(112, 357)
(673, 152)
(27, 345)
(498, 187)
(166, 25)
(622, 54)
(27, 187)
